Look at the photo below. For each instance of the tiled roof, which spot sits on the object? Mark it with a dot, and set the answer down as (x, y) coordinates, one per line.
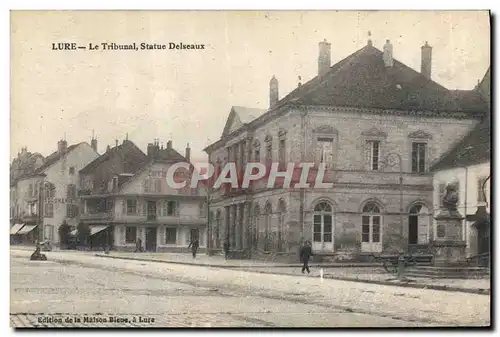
(131, 159)
(475, 148)
(362, 80)
(54, 157)
(170, 155)
(485, 84)
(238, 116)
(247, 115)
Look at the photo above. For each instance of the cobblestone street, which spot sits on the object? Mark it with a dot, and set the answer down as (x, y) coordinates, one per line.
(72, 289)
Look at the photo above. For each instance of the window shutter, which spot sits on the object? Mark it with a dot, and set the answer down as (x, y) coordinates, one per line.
(421, 157)
(177, 207)
(144, 208)
(124, 206)
(414, 160)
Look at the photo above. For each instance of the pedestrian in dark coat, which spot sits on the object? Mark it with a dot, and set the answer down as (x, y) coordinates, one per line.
(305, 254)
(226, 249)
(138, 245)
(195, 244)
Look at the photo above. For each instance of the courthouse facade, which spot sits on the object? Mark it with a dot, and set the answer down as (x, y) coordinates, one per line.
(377, 125)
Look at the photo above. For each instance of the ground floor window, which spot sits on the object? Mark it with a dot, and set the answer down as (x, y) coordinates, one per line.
(170, 235)
(371, 225)
(323, 227)
(130, 234)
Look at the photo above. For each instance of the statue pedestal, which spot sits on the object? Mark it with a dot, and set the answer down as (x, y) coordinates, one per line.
(448, 247)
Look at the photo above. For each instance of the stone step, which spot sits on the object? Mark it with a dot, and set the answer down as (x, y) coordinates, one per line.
(446, 276)
(449, 268)
(448, 272)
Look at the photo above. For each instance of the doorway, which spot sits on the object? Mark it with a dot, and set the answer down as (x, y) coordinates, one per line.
(151, 236)
(413, 229)
(323, 227)
(194, 234)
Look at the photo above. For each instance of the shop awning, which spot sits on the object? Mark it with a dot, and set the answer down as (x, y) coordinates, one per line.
(26, 229)
(94, 229)
(14, 229)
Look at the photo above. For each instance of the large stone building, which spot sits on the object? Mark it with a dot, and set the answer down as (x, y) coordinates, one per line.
(48, 195)
(377, 124)
(25, 164)
(125, 197)
(468, 166)
(23, 191)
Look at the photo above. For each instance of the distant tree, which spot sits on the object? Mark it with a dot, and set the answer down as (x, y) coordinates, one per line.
(64, 232)
(83, 233)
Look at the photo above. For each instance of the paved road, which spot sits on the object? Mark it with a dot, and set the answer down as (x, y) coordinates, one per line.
(74, 289)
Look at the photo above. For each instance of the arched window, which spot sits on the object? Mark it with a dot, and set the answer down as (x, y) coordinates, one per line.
(217, 228)
(281, 224)
(323, 227)
(268, 211)
(371, 228)
(418, 224)
(255, 227)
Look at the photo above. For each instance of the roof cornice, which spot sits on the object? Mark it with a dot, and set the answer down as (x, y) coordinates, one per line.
(278, 111)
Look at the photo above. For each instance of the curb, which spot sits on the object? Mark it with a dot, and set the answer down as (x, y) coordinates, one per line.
(351, 265)
(340, 278)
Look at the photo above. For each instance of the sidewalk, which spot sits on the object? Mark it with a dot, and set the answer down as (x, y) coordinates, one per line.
(357, 272)
(220, 262)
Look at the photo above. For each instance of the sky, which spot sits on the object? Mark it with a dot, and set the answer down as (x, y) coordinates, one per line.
(186, 95)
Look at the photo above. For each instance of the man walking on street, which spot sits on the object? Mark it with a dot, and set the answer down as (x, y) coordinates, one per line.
(226, 248)
(305, 254)
(195, 244)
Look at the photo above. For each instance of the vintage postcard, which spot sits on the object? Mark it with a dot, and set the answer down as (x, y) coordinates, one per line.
(263, 169)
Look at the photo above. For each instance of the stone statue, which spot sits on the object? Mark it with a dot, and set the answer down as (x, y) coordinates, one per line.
(450, 199)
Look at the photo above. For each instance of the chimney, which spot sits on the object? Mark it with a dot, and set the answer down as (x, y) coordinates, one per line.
(388, 61)
(93, 144)
(426, 65)
(188, 153)
(324, 58)
(151, 150)
(169, 145)
(116, 142)
(62, 146)
(273, 92)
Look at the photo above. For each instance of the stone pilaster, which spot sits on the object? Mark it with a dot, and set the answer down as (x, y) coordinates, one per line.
(226, 223)
(237, 227)
(245, 226)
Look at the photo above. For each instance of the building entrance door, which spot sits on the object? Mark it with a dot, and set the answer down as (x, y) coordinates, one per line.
(323, 227)
(194, 234)
(413, 229)
(151, 233)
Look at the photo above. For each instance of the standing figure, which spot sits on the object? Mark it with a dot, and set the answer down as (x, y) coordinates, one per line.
(195, 244)
(138, 245)
(226, 248)
(305, 254)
